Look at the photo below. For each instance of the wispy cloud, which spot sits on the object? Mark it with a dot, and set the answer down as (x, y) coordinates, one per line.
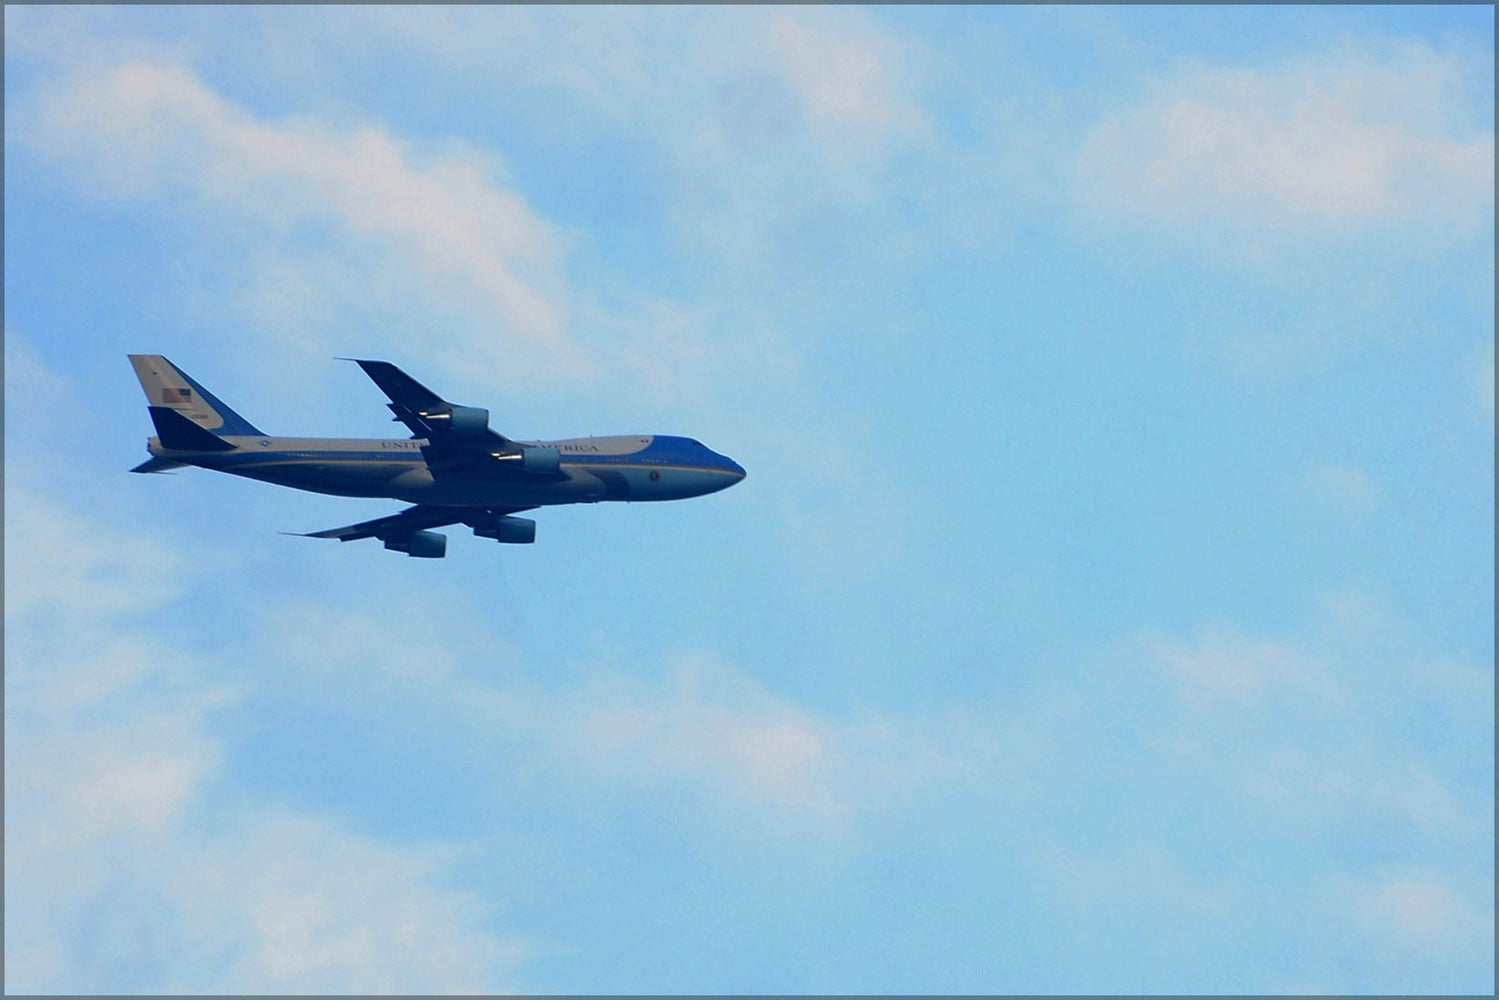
(328, 910)
(121, 873)
(60, 559)
(706, 725)
(1416, 910)
(1224, 666)
(1336, 145)
(751, 115)
(703, 726)
(1254, 709)
(326, 234)
(329, 770)
(1342, 488)
(436, 223)
(266, 899)
(844, 76)
(847, 75)
(719, 729)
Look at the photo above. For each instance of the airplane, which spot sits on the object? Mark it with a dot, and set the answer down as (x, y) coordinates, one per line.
(454, 468)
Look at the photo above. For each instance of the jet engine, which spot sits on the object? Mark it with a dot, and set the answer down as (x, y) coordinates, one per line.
(421, 544)
(460, 419)
(514, 530)
(541, 460)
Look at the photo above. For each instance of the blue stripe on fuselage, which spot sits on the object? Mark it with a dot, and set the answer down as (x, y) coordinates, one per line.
(304, 454)
(662, 452)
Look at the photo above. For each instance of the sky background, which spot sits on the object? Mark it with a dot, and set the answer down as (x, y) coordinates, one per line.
(1108, 607)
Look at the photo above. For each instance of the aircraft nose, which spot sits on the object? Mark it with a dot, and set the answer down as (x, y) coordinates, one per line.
(727, 473)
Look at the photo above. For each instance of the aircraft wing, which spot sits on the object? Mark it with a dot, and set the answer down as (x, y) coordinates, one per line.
(459, 439)
(411, 520)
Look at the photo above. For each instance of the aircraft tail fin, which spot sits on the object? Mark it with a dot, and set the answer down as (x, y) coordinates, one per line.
(172, 392)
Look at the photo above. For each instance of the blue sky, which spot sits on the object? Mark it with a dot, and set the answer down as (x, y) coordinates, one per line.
(1109, 606)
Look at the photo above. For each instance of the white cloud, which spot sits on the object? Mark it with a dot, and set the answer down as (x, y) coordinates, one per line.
(1291, 781)
(709, 726)
(705, 727)
(846, 74)
(1141, 878)
(1343, 488)
(345, 237)
(120, 875)
(1418, 911)
(1337, 145)
(713, 728)
(1226, 667)
(57, 559)
(1259, 714)
(755, 113)
(1418, 795)
(438, 223)
(843, 75)
(807, 110)
(720, 731)
(324, 910)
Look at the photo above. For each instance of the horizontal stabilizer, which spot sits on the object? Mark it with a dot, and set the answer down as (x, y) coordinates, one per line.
(180, 434)
(157, 465)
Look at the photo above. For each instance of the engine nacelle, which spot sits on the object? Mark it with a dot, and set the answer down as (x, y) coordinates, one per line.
(544, 460)
(421, 544)
(513, 530)
(460, 419)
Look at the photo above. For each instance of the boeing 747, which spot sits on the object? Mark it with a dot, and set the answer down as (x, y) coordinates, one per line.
(454, 468)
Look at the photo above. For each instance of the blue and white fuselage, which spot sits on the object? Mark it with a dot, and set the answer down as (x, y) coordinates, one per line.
(627, 467)
(453, 468)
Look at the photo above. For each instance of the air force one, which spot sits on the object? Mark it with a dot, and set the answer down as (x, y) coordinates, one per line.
(454, 468)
